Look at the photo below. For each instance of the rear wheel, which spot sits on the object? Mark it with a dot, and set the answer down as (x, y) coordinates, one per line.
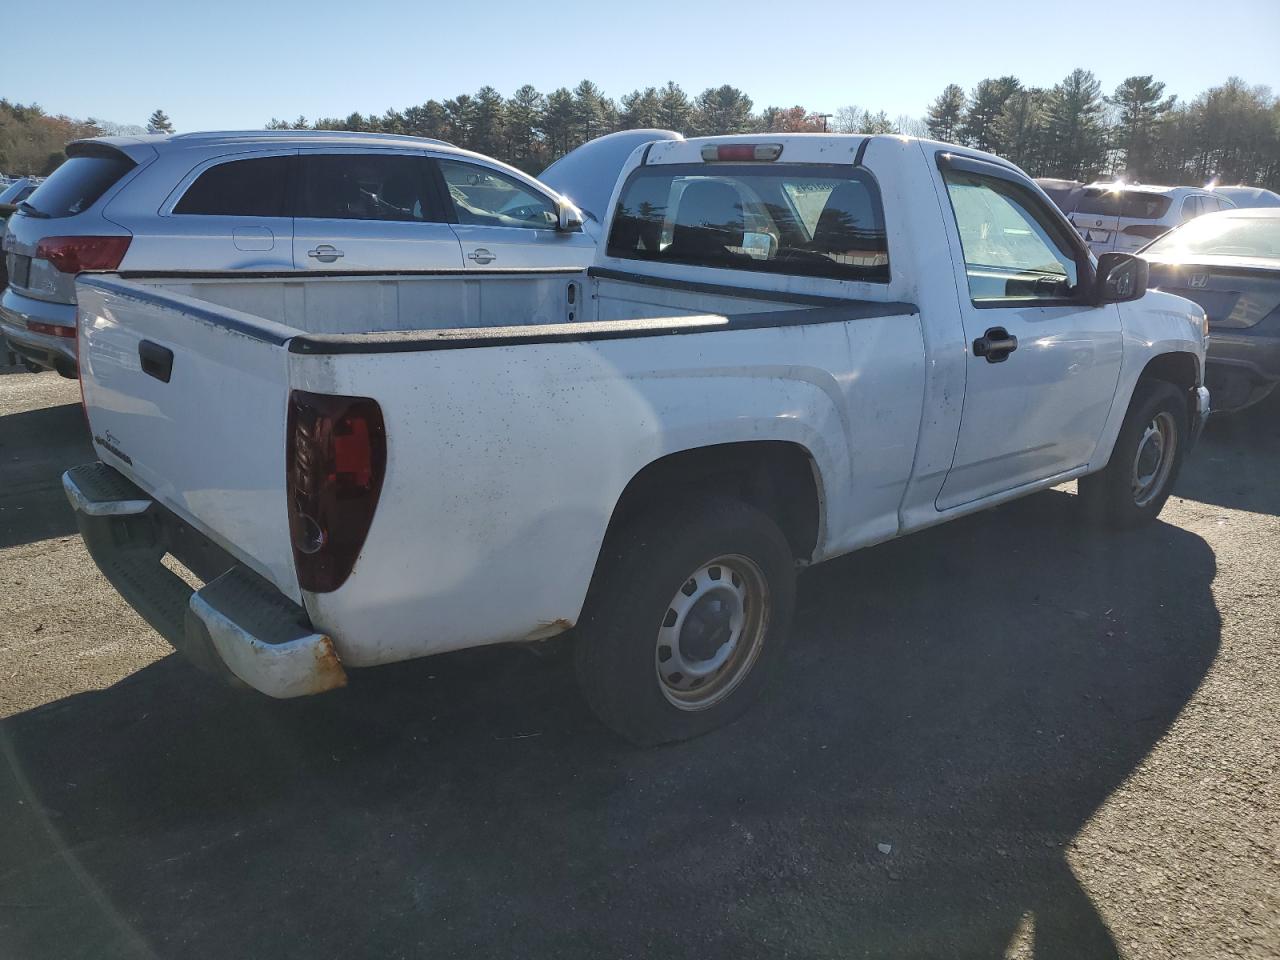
(1145, 461)
(686, 620)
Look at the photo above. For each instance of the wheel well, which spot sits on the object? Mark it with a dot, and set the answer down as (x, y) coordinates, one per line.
(1180, 369)
(774, 476)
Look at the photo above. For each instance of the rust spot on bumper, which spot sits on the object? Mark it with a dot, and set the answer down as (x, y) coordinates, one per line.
(329, 673)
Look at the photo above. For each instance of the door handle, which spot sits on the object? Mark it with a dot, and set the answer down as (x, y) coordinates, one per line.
(325, 253)
(996, 345)
(481, 255)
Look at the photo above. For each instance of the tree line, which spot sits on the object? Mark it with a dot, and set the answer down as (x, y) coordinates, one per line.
(1229, 133)
(1073, 129)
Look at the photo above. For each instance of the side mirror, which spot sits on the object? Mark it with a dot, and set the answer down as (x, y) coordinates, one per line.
(570, 219)
(1121, 277)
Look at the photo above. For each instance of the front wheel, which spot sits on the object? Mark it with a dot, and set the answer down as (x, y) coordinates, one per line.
(1144, 464)
(686, 620)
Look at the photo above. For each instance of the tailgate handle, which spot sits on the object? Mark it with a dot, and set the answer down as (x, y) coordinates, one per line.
(157, 361)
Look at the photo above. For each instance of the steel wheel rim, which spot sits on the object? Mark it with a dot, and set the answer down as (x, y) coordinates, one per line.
(1153, 460)
(712, 632)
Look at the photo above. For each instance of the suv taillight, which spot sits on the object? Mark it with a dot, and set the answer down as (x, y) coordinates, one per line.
(76, 254)
(336, 459)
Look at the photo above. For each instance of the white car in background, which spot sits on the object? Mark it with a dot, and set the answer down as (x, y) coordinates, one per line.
(274, 204)
(1124, 217)
(1246, 197)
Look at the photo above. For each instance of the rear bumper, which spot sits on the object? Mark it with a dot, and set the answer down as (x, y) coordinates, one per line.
(1242, 366)
(236, 624)
(16, 311)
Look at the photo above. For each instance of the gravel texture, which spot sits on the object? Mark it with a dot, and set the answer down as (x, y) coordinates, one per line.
(1011, 736)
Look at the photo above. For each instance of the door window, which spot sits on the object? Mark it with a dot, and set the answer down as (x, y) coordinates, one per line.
(365, 186)
(240, 188)
(1191, 208)
(1013, 248)
(485, 198)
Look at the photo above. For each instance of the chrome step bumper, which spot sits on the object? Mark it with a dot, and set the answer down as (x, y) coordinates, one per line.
(236, 624)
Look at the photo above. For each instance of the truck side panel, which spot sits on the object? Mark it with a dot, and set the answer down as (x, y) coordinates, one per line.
(505, 463)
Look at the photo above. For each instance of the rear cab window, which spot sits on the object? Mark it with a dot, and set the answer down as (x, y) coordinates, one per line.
(804, 219)
(79, 182)
(257, 187)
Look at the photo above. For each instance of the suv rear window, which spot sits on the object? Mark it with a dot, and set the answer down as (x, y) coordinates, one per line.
(1123, 203)
(76, 185)
(810, 220)
(240, 188)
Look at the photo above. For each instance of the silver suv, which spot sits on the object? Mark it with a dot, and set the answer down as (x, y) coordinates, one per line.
(270, 203)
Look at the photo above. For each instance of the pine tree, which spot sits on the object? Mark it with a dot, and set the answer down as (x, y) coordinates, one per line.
(1140, 104)
(1019, 130)
(561, 118)
(945, 114)
(490, 118)
(461, 114)
(159, 122)
(1074, 132)
(641, 109)
(525, 111)
(589, 111)
(721, 110)
(984, 106)
(675, 111)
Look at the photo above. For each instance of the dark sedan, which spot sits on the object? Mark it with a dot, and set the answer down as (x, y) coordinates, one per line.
(1229, 263)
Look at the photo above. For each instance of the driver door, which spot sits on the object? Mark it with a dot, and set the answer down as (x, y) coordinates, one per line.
(1043, 362)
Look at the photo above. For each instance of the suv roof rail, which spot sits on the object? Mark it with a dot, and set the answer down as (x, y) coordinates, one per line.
(284, 134)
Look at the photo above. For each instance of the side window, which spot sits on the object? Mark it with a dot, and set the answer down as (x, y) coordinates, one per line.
(485, 198)
(365, 186)
(1013, 248)
(1192, 208)
(240, 188)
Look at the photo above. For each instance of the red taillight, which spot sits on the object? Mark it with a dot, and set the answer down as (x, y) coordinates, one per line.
(75, 254)
(1148, 230)
(726, 152)
(51, 329)
(335, 463)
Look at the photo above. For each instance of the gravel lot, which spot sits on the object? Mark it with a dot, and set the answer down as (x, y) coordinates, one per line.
(1009, 736)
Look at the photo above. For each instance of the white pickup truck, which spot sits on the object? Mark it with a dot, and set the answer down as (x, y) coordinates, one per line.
(789, 347)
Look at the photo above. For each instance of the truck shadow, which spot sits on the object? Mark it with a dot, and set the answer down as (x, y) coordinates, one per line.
(967, 698)
(36, 446)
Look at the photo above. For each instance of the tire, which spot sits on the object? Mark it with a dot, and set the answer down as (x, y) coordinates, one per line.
(1137, 481)
(647, 647)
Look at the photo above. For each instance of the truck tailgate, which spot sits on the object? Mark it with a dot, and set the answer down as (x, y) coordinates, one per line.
(191, 404)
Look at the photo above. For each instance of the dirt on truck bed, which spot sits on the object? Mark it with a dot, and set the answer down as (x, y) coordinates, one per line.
(1009, 736)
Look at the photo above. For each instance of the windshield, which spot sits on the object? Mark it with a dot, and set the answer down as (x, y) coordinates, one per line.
(1103, 201)
(1227, 236)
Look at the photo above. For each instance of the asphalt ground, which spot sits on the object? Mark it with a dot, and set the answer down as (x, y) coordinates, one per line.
(1010, 736)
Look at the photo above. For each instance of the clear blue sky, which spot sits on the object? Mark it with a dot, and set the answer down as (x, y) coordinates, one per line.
(229, 63)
